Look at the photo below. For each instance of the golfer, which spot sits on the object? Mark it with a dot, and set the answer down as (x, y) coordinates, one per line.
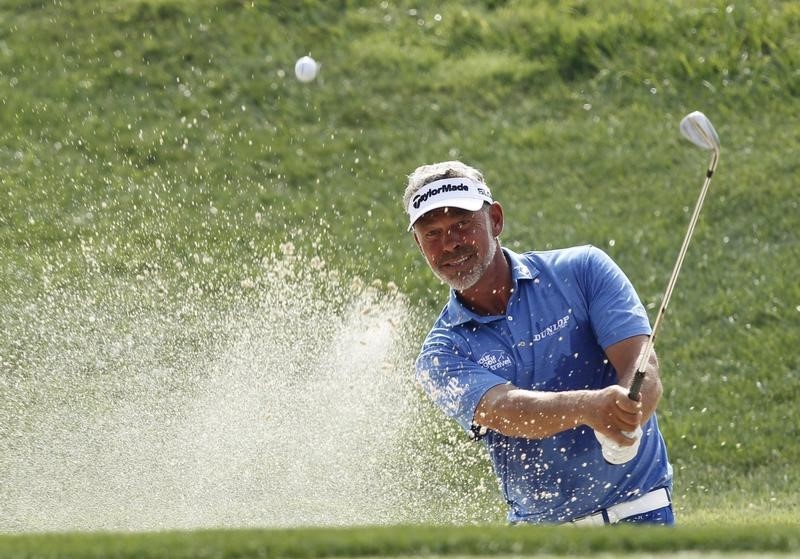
(532, 354)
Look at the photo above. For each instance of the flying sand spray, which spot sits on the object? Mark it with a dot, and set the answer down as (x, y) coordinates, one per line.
(288, 401)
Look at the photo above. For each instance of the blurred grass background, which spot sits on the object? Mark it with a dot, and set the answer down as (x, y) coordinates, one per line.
(170, 139)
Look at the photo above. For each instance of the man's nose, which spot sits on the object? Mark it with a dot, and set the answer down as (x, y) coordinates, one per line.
(453, 238)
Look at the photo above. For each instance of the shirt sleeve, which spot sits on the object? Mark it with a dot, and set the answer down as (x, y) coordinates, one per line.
(450, 378)
(615, 310)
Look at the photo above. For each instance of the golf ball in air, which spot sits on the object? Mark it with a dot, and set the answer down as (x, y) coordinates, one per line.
(305, 69)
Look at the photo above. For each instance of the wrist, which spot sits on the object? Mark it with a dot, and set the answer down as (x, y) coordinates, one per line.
(584, 408)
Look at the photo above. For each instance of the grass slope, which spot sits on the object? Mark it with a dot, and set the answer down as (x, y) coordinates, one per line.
(144, 136)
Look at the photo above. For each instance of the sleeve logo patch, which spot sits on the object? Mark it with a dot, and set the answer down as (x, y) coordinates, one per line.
(495, 359)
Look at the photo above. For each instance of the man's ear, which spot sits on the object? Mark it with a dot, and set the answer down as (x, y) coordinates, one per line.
(496, 215)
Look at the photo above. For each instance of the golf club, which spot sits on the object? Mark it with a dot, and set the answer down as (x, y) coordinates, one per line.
(696, 128)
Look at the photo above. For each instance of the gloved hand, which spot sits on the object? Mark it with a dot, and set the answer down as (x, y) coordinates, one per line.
(615, 453)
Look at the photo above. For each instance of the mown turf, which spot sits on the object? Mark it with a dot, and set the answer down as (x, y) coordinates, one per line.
(403, 541)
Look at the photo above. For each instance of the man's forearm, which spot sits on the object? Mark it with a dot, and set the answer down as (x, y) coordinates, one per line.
(625, 356)
(533, 414)
(651, 390)
(515, 412)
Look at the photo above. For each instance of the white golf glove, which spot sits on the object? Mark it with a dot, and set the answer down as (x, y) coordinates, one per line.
(615, 453)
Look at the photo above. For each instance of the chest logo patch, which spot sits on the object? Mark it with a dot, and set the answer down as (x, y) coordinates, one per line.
(495, 359)
(558, 325)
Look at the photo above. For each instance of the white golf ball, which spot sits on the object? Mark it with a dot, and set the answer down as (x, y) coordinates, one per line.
(305, 69)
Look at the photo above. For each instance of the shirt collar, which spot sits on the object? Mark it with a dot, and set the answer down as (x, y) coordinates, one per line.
(521, 269)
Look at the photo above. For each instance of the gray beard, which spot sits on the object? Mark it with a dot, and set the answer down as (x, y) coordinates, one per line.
(462, 283)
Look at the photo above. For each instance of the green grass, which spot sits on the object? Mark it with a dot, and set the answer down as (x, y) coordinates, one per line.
(142, 138)
(406, 541)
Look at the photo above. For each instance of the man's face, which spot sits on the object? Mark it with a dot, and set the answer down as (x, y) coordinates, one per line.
(458, 244)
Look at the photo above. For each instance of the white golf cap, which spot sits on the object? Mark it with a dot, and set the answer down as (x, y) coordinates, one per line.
(459, 192)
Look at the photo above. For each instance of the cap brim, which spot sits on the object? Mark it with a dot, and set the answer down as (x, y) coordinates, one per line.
(469, 204)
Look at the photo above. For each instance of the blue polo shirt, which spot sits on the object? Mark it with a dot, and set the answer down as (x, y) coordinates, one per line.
(566, 307)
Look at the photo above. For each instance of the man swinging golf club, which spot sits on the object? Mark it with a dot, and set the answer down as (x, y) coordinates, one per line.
(532, 354)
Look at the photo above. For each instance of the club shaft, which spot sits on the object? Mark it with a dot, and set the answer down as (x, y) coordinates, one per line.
(644, 358)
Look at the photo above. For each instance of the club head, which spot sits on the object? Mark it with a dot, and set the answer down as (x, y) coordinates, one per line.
(696, 128)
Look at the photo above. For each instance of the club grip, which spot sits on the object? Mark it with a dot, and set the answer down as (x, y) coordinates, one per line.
(636, 385)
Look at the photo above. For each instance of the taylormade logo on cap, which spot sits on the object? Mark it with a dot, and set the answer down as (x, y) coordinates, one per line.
(460, 192)
(420, 198)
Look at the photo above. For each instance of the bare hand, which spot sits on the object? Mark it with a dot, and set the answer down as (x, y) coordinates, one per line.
(611, 413)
